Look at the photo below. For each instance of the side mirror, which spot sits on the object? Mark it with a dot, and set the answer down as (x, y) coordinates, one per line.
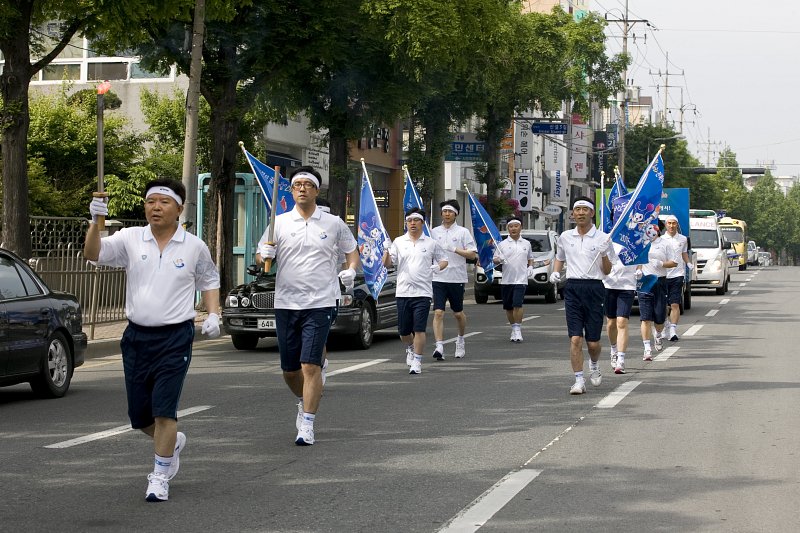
(726, 245)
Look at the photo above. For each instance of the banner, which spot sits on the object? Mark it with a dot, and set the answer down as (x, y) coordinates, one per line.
(617, 190)
(411, 199)
(265, 176)
(636, 212)
(371, 235)
(486, 236)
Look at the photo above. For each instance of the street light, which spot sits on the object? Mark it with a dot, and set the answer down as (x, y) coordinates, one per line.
(651, 141)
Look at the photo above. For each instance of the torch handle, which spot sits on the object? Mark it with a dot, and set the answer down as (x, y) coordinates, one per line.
(101, 220)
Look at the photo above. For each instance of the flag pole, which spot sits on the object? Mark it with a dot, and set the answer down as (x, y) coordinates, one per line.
(638, 188)
(258, 181)
(602, 198)
(102, 88)
(273, 211)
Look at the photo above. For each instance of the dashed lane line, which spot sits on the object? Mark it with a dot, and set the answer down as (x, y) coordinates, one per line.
(356, 367)
(666, 354)
(692, 331)
(531, 317)
(712, 312)
(724, 301)
(617, 395)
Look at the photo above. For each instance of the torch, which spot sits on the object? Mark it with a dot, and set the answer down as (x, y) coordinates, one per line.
(102, 89)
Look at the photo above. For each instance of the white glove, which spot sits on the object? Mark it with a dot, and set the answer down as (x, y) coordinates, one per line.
(530, 271)
(555, 277)
(639, 274)
(435, 268)
(268, 251)
(689, 266)
(387, 243)
(211, 326)
(450, 248)
(603, 247)
(98, 208)
(348, 278)
(658, 263)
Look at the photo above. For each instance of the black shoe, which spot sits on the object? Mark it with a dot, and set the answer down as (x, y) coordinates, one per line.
(439, 356)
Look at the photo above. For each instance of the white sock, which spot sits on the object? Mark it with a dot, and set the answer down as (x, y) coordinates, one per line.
(646, 345)
(613, 348)
(620, 357)
(594, 365)
(460, 339)
(440, 346)
(162, 464)
(579, 375)
(308, 419)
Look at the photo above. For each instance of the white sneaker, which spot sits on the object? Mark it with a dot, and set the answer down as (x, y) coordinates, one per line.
(299, 420)
(180, 443)
(659, 343)
(579, 387)
(409, 357)
(648, 355)
(438, 354)
(613, 360)
(305, 435)
(324, 371)
(416, 366)
(673, 335)
(157, 488)
(513, 337)
(595, 377)
(620, 368)
(460, 350)
(519, 335)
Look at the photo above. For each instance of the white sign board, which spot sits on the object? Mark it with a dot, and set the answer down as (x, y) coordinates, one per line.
(318, 157)
(524, 146)
(580, 147)
(554, 155)
(559, 188)
(523, 189)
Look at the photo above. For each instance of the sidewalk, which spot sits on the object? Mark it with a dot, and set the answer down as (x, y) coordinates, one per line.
(107, 336)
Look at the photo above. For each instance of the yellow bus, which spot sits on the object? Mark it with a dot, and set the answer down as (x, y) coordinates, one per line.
(734, 231)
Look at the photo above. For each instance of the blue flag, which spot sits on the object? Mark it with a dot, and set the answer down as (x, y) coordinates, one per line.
(647, 283)
(617, 190)
(636, 211)
(486, 236)
(371, 235)
(265, 176)
(412, 199)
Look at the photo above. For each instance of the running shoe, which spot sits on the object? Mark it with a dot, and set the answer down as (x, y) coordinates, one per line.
(579, 387)
(460, 350)
(439, 356)
(659, 344)
(620, 368)
(157, 487)
(299, 420)
(180, 444)
(595, 377)
(305, 435)
(409, 356)
(648, 356)
(416, 366)
(613, 359)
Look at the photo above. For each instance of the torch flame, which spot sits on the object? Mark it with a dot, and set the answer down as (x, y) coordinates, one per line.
(103, 87)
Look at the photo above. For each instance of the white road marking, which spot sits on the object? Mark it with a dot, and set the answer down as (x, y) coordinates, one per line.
(356, 367)
(743, 284)
(560, 308)
(530, 317)
(749, 279)
(724, 301)
(485, 506)
(734, 293)
(692, 331)
(712, 312)
(118, 430)
(617, 395)
(666, 354)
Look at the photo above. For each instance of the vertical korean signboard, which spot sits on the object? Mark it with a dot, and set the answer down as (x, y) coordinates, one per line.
(555, 169)
(524, 154)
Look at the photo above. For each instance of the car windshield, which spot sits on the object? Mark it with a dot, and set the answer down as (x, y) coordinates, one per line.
(704, 238)
(732, 233)
(539, 243)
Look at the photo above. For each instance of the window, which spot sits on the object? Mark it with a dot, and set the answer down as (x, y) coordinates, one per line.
(59, 72)
(11, 285)
(107, 71)
(138, 73)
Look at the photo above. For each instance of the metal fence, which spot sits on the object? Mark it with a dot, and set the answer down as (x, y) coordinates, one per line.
(100, 290)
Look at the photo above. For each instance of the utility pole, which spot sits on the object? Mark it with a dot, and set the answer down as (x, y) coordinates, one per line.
(666, 89)
(708, 145)
(627, 24)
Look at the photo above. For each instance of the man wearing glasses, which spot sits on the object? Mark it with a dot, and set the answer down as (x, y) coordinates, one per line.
(305, 246)
(416, 257)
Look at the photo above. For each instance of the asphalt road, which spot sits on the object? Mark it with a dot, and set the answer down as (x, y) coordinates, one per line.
(704, 438)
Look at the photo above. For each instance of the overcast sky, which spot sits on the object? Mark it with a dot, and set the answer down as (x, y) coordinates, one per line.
(737, 63)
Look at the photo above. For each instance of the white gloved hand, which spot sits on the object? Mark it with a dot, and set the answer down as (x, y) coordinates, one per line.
(603, 247)
(689, 266)
(639, 274)
(530, 271)
(450, 248)
(555, 277)
(387, 243)
(98, 208)
(658, 263)
(348, 278)
(269, 251)
(211, 326)
(435, 268)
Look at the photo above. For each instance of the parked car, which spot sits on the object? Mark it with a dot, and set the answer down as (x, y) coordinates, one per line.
(752, 253)
(248, 313)
(544, 246)
(41, 331)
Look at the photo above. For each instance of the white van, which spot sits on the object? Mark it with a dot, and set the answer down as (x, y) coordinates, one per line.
(712, 254)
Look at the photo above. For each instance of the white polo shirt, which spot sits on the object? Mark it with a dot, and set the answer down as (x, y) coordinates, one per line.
(414, 260)
(581, 253)
(659, 250)
(515, 254)
(461, 238)
(307, 255)
(160, 287)
(681, 244)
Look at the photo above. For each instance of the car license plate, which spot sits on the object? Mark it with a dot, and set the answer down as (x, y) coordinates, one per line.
(266, 323)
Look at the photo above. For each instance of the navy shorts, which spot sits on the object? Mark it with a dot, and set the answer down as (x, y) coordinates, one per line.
(512, 295)
(452, 292)
(652, 305)
(302, 334)
(334, 313)
(412, 314)
(619, 303)
(584, 300)
(155, 361)
(674, 290)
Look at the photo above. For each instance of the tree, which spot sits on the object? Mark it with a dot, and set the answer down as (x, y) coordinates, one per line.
(773, 223)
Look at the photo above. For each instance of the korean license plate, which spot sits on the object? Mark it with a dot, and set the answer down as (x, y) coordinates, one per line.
(266, 323)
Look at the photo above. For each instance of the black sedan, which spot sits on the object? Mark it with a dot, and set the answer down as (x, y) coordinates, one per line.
(248, 313)
(41, 331)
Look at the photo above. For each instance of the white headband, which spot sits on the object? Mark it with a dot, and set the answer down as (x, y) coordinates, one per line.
(672, 217)
(307, 176)
(412, 216)
(512, 222)
(449, 207)
(583, 203)
(166, 191)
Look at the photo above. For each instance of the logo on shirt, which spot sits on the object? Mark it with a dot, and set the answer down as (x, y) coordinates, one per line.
(323, 235)
(144, 257)
(179, 263)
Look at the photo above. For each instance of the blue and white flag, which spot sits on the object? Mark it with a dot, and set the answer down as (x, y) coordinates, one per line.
(371, 236)
(636, 211)
(411, 199)
(617, 190)
(265, 176)
(486, 236)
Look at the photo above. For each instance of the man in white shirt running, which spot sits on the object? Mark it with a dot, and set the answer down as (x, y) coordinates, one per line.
(448, 284)
(675, 275)
(652, 302)
(515, 254)
(417, 257)
(306, 246)
(165, 266)
(589, 255)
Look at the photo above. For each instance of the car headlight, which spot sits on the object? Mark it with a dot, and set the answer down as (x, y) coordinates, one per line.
(713, 266)
(540, 264)
(233, 301)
